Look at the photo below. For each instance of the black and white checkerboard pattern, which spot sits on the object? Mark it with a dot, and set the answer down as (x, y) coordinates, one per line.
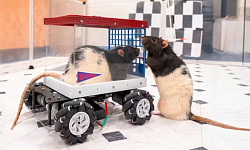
(186, 15)
(191, 46)
(182, 20)
(150, 11)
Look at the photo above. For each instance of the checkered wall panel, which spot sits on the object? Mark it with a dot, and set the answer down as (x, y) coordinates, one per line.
(182, 20)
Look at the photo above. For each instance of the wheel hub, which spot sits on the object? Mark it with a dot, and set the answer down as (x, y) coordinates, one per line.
(143, 108)
(79, 123)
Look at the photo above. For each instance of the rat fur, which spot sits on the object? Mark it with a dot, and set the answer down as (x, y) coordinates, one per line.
(112, 65)
(174, 82)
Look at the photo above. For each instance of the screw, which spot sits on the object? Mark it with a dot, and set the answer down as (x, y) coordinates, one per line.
(54, 94)
(81, 21)
(115, 23)
(80, 92)
(82, 99)
(142, 25)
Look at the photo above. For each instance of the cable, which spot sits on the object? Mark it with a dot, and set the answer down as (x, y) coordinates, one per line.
(106, 116)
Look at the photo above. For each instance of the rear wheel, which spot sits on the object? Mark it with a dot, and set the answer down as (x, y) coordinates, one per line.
(75, 123)
(138, 106)
(38, 106)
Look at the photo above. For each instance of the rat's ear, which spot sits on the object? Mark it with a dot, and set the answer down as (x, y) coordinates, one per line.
(165, 44)
(120, 52)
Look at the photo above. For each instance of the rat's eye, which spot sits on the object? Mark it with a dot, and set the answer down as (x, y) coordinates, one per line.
(154, 40)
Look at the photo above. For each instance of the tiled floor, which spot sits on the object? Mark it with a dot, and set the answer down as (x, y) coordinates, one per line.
(221, 93)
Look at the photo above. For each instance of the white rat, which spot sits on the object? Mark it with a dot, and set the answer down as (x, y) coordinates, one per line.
(111, 64)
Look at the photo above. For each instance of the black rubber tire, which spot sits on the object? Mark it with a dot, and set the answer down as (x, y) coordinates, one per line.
(28, 99)
(130, 106)
(62, 124)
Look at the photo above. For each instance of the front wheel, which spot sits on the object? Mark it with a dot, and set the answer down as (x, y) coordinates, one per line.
(138, 106)
(75, 123)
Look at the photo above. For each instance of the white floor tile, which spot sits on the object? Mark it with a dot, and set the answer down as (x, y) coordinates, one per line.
(226, 103)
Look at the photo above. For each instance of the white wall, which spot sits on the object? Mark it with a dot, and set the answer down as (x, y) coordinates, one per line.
(240, 10)
(228, 35)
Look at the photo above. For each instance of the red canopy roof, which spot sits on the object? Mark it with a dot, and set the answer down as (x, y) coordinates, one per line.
(96, 22)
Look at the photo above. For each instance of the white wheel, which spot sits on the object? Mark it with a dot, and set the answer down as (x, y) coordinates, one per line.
(75, 123)
(143, 108)
(79, 123)
(137, 106)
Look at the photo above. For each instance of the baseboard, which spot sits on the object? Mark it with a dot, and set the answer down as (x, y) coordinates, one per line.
(20, 54)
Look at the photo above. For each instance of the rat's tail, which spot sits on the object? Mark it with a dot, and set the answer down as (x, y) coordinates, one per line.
(215, 123)
(45, 74)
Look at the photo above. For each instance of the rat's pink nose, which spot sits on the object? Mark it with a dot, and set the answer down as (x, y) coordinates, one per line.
(142, 38)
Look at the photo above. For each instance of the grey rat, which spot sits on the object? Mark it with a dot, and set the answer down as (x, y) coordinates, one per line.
(111, 64)
(174, 82)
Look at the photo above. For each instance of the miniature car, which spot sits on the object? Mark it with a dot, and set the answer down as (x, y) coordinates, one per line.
(75, 107)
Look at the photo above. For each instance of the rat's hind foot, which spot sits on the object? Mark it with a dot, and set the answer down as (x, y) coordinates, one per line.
(156, 113)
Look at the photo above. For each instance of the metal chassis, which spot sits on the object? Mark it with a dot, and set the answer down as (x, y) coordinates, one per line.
(56, 91)
(132, 82)
(52, 96)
